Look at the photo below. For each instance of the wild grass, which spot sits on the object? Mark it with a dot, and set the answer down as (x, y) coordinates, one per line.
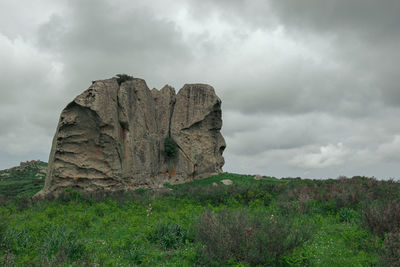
(267, 222)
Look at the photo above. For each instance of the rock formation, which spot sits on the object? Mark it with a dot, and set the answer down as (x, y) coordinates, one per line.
(35, 164)
(28, 169)
(111, 137)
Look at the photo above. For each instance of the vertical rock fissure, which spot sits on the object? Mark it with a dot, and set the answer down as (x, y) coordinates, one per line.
(171, 113)
(120, 149)
(188, 158)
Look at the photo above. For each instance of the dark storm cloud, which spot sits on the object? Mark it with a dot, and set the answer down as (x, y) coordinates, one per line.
(376, 21)
(363, 37)
(367, 34)
(309, 88)
(344, 66)
(49, 64)
(26, 113)
(96, 39)
(303, 88)
(272, 132)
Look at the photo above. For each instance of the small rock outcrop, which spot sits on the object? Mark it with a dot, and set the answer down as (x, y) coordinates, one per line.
(36, 164)
(27, 169)
(227, 182)
(111, 137)
(257, 177)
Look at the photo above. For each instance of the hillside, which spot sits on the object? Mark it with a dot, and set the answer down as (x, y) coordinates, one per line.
(265, 222)
(25, 179)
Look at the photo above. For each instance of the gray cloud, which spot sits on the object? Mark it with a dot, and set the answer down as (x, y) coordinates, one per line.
(362, 37)
(309, 88)
(96, 39)
(367, 19)
(366, 32)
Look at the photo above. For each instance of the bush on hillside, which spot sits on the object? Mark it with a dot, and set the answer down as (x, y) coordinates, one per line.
(391, 253)
(248, 237)
(382, 217)
(216, 195)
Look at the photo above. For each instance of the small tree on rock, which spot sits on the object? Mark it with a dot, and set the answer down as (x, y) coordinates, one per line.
(170, 151)
(123, 78)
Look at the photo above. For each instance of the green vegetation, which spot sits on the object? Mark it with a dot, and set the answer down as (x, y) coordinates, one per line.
(22, 181)
(267, 222)
(123, 78)
(170, 151)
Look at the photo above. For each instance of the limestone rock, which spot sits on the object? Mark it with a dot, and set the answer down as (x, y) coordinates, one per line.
(227, 182)
(112, 135)
(33, 164)
(257, 177)
(195, 126)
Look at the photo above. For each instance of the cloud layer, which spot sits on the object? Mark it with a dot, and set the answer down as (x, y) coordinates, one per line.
(309, 88)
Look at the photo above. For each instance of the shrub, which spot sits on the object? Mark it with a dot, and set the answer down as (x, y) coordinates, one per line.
(170, 151)
(70, 195)
(347, 215)
(121, 196)
(251, 238)
(169, 235)
(3, 228)
(216, 195)
(391, 253)
(342, 192)
(382, 217)
(22, 201)
(123, 78)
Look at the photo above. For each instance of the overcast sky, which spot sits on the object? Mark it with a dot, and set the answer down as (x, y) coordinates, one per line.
(309, 88)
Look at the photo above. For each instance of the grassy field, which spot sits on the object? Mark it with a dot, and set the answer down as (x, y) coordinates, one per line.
(267, 222)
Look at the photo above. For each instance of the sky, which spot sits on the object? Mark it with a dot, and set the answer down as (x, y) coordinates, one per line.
(309, 88)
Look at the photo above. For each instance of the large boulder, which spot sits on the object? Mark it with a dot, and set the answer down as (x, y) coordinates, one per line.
(111, 137)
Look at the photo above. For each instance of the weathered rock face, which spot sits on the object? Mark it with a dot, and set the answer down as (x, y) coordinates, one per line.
(111, 137)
